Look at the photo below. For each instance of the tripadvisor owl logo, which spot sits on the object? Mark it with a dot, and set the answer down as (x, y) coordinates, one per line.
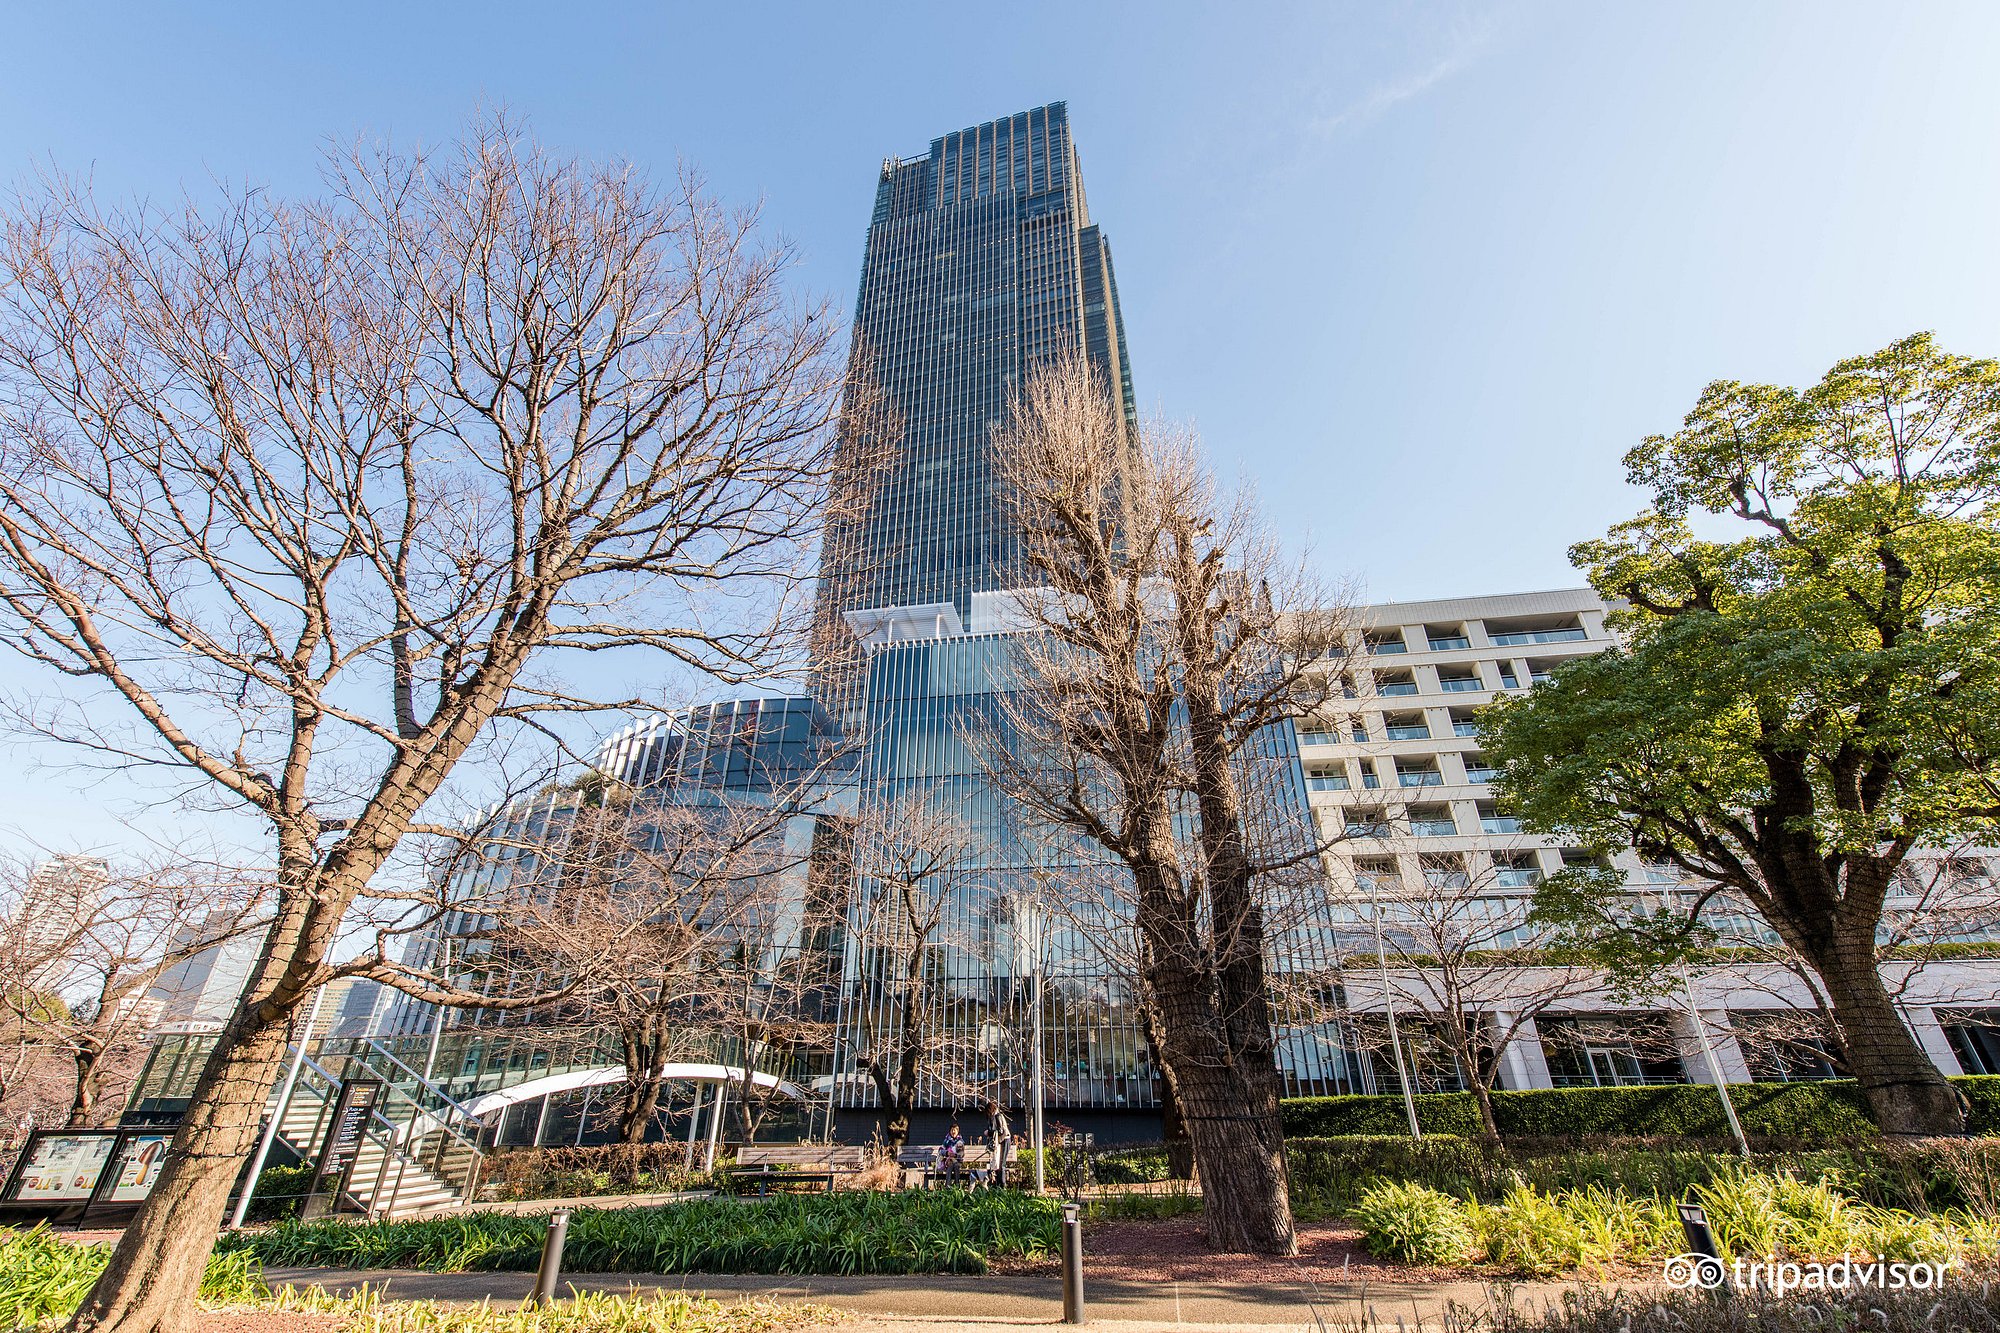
(1705, 1272)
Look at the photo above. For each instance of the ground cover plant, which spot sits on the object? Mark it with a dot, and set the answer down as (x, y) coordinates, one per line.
(938, 1231)
(43, 1278)
(582, 1312)
(1753, 1214)
(1966, 1307)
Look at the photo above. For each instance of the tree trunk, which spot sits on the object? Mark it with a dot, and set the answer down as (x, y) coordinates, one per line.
(84, 1099)
(1907, 1095)
(159, 1259)
(1236, 1137)
(1482, 1093)
(636, 1117)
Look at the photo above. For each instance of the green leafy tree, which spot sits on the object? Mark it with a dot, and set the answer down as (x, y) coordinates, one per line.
(1804, 699)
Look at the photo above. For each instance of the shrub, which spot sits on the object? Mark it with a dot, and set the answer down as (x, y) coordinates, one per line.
(1328, 1175)
(1532, 1232)
(43, 1278)
(1818, 1113)
(1414, 1222)
(938, 1231)
(281, 1192)
(577, 1173)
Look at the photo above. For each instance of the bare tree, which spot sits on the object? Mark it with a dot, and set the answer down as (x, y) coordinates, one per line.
(308, 497)
(1460, 958)
(1169, 643)
(916, 868)
(646, 901)
(136, 924)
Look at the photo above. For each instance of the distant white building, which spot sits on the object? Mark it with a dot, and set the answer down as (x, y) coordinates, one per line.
(1394, 768)
(63, 895)
(198, 993)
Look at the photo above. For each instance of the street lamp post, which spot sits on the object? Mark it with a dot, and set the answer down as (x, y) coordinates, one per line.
(1028, 948)
(1389, 1005)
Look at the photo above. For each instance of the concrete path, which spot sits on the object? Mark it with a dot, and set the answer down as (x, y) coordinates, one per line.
(984, 1300)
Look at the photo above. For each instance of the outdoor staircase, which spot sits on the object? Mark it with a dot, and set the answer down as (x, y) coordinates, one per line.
(419, 1151)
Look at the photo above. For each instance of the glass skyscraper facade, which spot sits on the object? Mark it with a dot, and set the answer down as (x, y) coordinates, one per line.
(981, 259)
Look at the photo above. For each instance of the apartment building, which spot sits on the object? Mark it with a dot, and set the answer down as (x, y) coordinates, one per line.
(1394, 771)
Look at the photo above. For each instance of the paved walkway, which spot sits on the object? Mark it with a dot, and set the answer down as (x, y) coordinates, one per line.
(983, 1300)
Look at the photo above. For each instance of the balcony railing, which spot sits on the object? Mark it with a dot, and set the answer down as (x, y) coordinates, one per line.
(1326, 782)
(1499, 824)
(1449, 642)
(1465, 728)
(1517, 877)
(1367, 830)
(1460, 684)
(1539, 677)
(1383, 647)
(1538, 636)
(1417, 733)
(1320, 738)
(1397, 687)
(1433, 828)
(1480, 773)
(1419, 777)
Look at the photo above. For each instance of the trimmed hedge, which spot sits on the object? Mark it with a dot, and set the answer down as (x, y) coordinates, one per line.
(1329, 1175)
(1818, 1112)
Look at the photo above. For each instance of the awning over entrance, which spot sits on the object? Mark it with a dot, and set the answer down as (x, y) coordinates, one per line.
(676, 1072)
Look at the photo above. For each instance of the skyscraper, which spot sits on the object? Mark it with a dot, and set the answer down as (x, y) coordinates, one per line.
(981, 259)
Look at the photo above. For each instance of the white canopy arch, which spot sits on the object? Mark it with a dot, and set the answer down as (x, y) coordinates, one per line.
(676, 1071)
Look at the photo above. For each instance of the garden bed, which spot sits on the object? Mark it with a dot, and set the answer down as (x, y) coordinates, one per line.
(940, 1231)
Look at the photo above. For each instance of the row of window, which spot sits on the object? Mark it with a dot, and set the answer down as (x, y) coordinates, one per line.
(1499, 632)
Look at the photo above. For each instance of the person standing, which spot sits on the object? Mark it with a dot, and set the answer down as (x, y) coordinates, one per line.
(1001, 1134)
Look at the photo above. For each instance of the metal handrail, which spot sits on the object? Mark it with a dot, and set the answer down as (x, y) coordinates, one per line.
(427, 1084)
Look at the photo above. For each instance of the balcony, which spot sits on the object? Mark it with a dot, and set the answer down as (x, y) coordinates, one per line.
(1364, 829)
(1539, 677)
(1393, 687)
(1460, 684)
(1445, 643)
(1464, 728)
(1419, 777)
(1326, 781)
(1418, 732)
(1369, 780)
(1434, 828)
(1386, 646)
(1480, 773)
(1320, 738)
(1501, 824)
(1509, 640)
(1516, 877)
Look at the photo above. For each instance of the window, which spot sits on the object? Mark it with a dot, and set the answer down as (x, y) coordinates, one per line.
(1536, 629)
(1380, 642)
(1459, 680)
(1377, 874)
(1313, 733)
(1444, 638)
(1418, 773)
(1492, 821)
(1446, 872)
(1359, 730)
(1366, 824)
(1507, 676)
(1395, 682)
(1463, 723)
(1406, 727)
(1582, 858)
(1369, 779)
(1327, 779)
(1516, 870)
(1477, 769)
(1432, 821)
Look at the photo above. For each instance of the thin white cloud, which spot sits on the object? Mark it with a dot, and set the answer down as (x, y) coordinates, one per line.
(1467, 42)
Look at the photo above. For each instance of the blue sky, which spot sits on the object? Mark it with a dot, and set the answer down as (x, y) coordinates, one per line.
(1419, 273)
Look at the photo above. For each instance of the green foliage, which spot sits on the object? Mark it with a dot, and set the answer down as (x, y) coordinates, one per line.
(43, 1278)
(281, 1192)
(1959, 1308)
(1131, 1166)
(938, 1231)
(1540, 1233)
(584, 1312)
(1132, 1207)
(1415, 1223)
(1824, 1112)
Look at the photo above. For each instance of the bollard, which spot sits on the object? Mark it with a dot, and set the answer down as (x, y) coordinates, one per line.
(1072, 1268)
(1704, 1267)
(551, 1269)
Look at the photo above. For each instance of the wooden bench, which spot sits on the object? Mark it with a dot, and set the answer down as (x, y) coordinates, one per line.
(787, 1166)
(929, 1159)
